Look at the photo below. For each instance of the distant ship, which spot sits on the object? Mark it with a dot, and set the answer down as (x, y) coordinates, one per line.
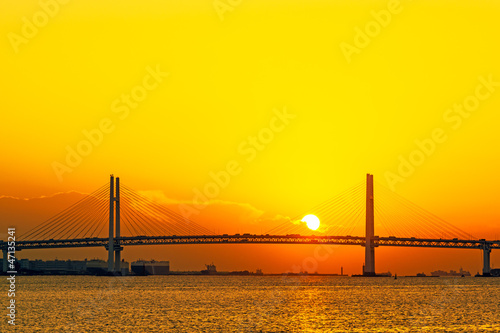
(153, 267)
(451, 273)
(211, 269)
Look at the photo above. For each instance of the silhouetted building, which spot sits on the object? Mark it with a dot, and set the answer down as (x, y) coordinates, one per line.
(94, 266)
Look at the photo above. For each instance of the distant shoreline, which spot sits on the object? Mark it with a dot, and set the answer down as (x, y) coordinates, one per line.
(239, 274)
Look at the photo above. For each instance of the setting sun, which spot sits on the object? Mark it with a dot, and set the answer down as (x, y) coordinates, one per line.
(312, 221)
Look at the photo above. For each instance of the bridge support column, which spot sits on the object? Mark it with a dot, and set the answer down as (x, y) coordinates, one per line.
(111, 226)
(369, 269)
(486, 260)
(4, 261)
(118, 248)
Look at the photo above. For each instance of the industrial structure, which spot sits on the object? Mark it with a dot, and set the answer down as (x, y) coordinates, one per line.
(66, 267)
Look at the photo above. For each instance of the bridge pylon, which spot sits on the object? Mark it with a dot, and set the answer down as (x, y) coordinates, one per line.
(486, 260)
(114, 248)
(111, 241)
(117, 248)
(369, 267)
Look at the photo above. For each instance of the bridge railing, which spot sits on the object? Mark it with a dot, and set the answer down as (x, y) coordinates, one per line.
(254, 239)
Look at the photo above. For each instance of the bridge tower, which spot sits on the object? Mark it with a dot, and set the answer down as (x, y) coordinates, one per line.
(369, 268)
(114, 250)
(486, 259)
(118, 248)
(111, 241)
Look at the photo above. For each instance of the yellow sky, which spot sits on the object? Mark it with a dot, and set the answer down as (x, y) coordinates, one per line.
(349, 113)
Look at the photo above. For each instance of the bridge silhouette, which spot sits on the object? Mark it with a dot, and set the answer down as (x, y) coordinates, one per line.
(146, 222)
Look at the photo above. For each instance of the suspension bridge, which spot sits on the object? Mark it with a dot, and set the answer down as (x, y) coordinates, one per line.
(130, 218)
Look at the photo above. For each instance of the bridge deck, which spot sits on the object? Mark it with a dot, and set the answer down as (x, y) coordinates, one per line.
(255, 239)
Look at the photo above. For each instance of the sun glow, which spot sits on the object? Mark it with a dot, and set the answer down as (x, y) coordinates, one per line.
(312, 221)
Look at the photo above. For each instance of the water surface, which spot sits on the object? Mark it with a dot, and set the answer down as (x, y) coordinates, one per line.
(256, 304)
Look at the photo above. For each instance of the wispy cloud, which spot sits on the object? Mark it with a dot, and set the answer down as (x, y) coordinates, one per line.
(42, 196)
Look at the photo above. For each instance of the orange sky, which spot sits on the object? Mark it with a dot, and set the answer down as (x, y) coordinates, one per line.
(298, 99)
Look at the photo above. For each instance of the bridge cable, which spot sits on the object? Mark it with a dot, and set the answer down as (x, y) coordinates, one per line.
(320, 210)
(153, 216)
(59, 218)
(76, 218)
(430, 219)
(157, 209)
